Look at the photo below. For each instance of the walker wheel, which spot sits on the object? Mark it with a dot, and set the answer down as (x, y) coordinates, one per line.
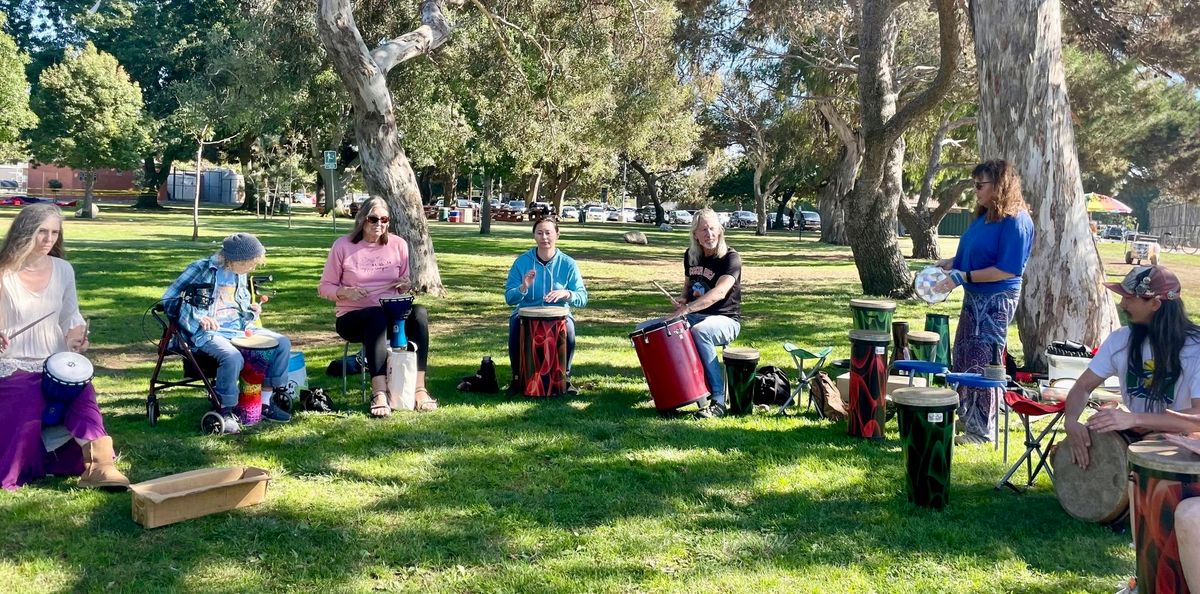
(212, 423)
(152, 411)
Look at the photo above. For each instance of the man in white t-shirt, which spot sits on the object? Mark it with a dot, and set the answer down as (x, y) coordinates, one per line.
(1156, 358)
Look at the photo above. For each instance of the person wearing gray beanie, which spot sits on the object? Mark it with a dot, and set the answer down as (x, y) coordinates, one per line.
(227, 314)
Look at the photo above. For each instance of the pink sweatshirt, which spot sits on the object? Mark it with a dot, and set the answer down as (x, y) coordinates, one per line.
(370, 266)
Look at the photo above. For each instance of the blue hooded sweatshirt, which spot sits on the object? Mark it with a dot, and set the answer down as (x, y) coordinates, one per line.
(561, 272)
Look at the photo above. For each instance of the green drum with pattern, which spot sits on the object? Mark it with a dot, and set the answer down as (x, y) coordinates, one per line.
(740, 365)
(940, 323)
(926, 418)
(872, 315)
(923, 345)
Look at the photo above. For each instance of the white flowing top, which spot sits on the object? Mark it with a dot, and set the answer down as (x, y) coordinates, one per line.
(19, 306)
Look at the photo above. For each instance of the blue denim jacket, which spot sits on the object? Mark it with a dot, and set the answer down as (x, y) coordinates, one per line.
(203, 272)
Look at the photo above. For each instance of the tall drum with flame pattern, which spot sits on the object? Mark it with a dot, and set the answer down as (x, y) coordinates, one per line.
(542, 362)
(868, 381)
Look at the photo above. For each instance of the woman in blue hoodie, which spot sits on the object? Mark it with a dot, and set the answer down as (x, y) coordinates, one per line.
(543, 276)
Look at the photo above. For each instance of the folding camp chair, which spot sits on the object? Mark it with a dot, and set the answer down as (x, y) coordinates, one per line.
(1029, 409)
(804, 376)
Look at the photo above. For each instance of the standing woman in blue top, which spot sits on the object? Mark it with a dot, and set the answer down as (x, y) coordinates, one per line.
(990, 260)
(543, 276)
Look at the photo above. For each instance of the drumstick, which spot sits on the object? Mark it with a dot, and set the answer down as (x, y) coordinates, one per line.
(664, 291)
(31, 324)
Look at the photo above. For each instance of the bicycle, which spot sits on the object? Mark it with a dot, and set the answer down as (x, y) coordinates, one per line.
(1175, 244)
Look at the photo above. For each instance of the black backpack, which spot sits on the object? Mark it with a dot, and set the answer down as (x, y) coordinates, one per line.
(771, 386)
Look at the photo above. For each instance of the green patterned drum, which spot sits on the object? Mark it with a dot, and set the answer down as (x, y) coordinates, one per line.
(740, 365)
(923, 345)
(926, 418)
(940, 323)
(872, 315)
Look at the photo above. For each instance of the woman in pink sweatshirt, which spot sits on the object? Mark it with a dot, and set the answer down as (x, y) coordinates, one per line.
(363, 266)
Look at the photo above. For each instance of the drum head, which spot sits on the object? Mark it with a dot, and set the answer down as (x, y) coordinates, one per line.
(396, 307)
(69, 367)
(256, 341)
(924, 397)
(924, 337)
(1163, 456)
(740, 354)
(924, 283)
(1100, 493)
(542, 312)
(873, 304)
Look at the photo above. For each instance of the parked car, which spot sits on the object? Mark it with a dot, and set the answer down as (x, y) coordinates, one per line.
(644, 214)
(725, 219)
(681, 217)
(743, 218)
(812, 220)
(13, 201)
(595, 214)
(570, 213)
(517, 205)
(1116, 232)
(538, 209)
(612, 215)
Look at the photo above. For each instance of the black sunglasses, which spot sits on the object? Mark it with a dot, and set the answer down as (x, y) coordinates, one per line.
(375, 219)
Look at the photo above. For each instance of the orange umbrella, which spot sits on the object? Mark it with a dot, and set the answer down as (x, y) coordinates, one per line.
(1101, 203)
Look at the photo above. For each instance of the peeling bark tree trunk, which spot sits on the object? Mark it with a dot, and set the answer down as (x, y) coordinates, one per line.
(871, 209)
(533, 188)
(831, 199)
(1024, 118)
(386, 169)
(762, 193)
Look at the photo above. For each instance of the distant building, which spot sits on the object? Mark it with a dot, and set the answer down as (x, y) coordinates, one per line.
(222, 186)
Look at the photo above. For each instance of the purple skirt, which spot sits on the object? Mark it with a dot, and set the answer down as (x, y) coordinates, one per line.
(23, 457)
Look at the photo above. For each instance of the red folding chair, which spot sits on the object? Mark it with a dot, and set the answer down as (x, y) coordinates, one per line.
(1029, 410)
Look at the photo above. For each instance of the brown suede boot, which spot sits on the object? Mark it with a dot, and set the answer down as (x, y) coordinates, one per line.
(98, 468)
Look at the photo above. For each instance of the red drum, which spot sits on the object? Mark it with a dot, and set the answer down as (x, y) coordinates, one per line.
(1164, 475)
(868, 383)
(542, 362)
(671, 364)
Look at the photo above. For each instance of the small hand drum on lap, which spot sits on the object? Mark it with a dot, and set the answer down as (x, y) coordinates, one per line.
(257, 352)
(1100, 493)
(397, 309)
(64, 376)
(924, 284)
(542, 361)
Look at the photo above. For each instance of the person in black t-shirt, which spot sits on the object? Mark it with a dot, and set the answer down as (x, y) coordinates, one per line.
(711, 300)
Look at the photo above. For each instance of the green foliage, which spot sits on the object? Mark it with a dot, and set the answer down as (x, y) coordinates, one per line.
(15, 114)
(91, 113)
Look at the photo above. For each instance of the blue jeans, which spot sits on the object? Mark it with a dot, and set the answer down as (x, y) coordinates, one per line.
(709, 332)
(229, 365)
(514, 343)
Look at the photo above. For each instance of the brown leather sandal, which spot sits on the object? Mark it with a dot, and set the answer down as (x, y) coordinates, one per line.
(428, 403)
(379, 405)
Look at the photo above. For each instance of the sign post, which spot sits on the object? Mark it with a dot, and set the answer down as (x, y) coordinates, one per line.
(330, 168)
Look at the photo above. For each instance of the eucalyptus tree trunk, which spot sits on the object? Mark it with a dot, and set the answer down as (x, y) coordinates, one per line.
(485, 206)
(762, 193)
(386, 169)
(1024, 118)
(831, 198)
(922, 222)
(871, 209)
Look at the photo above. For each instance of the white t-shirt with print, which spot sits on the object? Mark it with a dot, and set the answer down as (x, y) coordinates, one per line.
(1113, 360)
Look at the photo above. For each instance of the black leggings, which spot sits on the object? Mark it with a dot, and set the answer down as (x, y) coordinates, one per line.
(369, 326)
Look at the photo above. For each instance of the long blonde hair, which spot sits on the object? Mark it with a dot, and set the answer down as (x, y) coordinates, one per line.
(695, 252)
(21, 235)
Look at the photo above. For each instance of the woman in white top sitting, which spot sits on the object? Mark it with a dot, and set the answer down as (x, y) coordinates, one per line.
(35, 281)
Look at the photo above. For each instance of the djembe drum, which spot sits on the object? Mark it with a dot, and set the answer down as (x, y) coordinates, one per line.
(671, 365)
(926, 419)
(542, 361)
(940, 323)
(868, 381)
(257, 351)
(872, 315)
(1164, 474)
(740, 365)
(1099, 493)
(64, 377)
(396, 309)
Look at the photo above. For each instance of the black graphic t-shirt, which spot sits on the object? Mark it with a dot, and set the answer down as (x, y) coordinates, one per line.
(702, 277)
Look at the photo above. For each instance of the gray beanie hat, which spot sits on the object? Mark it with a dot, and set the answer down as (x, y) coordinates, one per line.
(241, 247)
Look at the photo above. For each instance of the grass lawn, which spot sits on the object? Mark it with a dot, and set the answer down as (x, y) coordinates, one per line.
(587, 494)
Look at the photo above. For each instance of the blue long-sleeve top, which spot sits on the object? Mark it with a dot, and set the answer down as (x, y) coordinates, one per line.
(561, 272)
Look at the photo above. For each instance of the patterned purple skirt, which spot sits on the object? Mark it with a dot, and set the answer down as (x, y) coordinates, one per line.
(982, 324)
(23, 457)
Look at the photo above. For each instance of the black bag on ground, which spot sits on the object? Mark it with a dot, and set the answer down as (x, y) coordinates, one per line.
(484, 380)
(345, 366)
(771, 386)
(315, 400)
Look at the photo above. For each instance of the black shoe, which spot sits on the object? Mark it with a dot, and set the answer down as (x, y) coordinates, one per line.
(513, 389)
(713, 410)
(271, 412)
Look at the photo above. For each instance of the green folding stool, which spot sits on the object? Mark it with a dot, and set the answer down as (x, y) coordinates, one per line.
(804, 376)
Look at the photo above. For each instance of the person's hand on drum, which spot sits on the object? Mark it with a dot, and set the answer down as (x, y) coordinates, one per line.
(528, 281)
(207, 323)
(1111, 419)
(3, 342)
(1080, 441)
(557, 295)
(403, 285)
(952, 280)
(946, 264)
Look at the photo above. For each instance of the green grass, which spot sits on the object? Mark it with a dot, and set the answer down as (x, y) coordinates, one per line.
(586, 494)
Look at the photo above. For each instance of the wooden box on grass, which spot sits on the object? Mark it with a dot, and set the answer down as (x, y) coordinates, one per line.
(188, 495)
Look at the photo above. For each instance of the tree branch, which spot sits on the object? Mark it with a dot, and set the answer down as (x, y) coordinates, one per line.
(934, 165)
(433, 32)
(951, 47)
